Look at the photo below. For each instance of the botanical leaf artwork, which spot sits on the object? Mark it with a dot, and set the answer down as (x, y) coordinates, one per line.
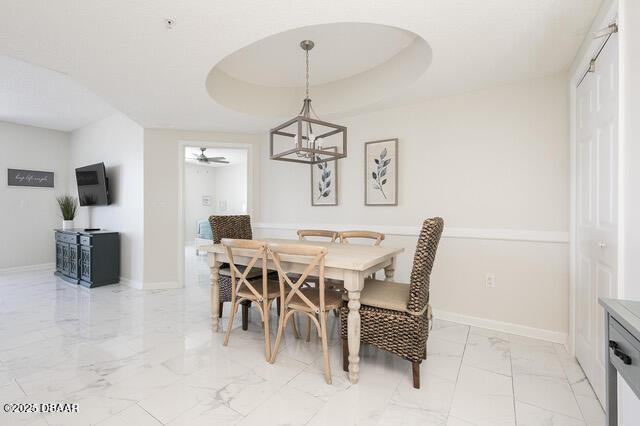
(324, 186)
(379, 176)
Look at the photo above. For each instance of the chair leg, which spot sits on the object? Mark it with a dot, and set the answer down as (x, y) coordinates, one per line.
(325, 347)
(265, 325)
(425, 352)
(295, 327)
(245, 316)
(308, 329)
(220, 310)
(345, 355)
(282, 325)
(416, 374)
(234, 306)
(278, 306)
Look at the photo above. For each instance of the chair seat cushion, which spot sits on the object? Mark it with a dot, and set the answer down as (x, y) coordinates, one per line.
(273, 290)
(254, 273)
(385, 295)
(332, 299)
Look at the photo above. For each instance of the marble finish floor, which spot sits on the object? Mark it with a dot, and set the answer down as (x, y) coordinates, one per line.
(132, 357)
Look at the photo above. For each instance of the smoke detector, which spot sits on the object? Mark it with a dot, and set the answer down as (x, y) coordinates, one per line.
(169, 23)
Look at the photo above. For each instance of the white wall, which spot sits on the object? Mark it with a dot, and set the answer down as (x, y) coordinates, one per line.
(29, 215)
(231, 189)
(491, 159)
(118, 142)
(163, 154)
(198, 181)
(629, 16)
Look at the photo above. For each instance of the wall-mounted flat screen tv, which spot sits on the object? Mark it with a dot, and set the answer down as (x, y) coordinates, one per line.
(93, 185)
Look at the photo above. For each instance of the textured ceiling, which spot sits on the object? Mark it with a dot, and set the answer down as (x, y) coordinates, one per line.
(122, 51)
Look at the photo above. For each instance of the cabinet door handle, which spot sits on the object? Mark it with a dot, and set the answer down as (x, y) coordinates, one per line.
(626, 359)
(613, 344)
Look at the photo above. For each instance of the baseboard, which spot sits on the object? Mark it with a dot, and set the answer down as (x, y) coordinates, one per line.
(160, 285)
(29, 268)
(505, 327)
(139, 285)
(131, 283)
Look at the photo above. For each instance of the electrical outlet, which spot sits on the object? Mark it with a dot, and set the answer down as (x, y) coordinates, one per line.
(490, 281)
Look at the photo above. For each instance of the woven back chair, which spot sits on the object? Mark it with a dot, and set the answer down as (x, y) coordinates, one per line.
(235, 227)
(243, 288)
(305, 300)
(395, 316)
(231, 226)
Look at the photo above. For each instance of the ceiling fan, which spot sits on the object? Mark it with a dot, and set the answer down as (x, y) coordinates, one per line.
(202, 158)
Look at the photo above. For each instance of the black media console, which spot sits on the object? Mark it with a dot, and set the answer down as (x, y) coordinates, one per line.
(88, 258)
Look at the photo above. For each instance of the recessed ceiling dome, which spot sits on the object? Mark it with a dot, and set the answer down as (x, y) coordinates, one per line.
(353, 65)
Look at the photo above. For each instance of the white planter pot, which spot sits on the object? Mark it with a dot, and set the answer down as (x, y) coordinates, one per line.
(67, 224)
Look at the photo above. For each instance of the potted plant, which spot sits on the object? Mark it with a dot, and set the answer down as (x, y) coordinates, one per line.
(68, 207)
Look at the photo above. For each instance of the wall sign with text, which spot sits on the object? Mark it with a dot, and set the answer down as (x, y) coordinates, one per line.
(18, 177)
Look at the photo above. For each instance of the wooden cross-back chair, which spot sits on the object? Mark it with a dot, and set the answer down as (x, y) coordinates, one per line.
(297, 298)
(303, 234)
(378, 237)
(260, 290)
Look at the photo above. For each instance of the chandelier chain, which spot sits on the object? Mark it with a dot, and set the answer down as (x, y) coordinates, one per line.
(307, 74)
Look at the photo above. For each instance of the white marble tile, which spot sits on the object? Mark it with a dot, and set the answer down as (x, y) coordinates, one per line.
(287, 406)
(530, 415)
(399, 415)
(488, 353)
(549, 393)
(483, 398)
(590, 407)
(134, 415)
(149, 357)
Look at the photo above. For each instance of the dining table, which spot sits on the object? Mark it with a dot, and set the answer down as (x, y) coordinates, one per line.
(350, 263)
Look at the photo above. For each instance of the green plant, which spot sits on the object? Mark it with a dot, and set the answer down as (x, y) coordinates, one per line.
(68, 206)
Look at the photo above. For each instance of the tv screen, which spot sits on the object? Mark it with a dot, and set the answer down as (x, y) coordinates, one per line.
(93, 185)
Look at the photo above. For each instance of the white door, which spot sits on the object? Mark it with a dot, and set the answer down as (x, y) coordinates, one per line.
(596, 208)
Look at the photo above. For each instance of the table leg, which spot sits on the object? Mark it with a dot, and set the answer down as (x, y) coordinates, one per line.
(390, 270)
(354, 283)
(214, 265)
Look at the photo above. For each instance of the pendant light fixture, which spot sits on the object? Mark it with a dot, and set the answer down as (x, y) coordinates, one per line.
(305, 139)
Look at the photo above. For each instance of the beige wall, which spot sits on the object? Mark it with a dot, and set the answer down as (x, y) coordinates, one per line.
(163, 153)
(28, 215)
(494, 159)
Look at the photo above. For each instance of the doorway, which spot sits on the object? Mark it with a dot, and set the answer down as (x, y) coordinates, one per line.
(215, 182)
(596, 208)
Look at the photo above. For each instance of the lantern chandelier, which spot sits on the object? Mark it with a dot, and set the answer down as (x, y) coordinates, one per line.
(305, 139)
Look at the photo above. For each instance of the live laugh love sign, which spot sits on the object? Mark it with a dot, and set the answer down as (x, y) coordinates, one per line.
(17, 177)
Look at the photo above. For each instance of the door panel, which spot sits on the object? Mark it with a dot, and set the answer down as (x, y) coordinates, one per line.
(597, 209)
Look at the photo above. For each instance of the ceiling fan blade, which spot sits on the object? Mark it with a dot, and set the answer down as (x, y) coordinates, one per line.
(220, 161)
(216, 158)
(195, 155)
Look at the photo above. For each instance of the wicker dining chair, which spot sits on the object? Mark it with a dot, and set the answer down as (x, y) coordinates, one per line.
(395, 317)
(261, 291)
(305, 300)
(236, 227)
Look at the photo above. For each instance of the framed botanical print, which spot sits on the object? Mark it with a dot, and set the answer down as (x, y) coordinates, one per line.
(324, 182)
(381, 173)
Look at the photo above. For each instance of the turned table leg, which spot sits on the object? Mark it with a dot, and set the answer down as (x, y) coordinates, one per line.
(354, 283)
(390, 270)
(214, 265)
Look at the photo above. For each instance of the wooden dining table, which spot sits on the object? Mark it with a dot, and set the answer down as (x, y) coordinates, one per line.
(350, 263)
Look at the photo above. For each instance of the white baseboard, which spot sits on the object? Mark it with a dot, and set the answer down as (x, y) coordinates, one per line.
(29, 268)
(505, 327)
(149, 286)
(161, 285)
